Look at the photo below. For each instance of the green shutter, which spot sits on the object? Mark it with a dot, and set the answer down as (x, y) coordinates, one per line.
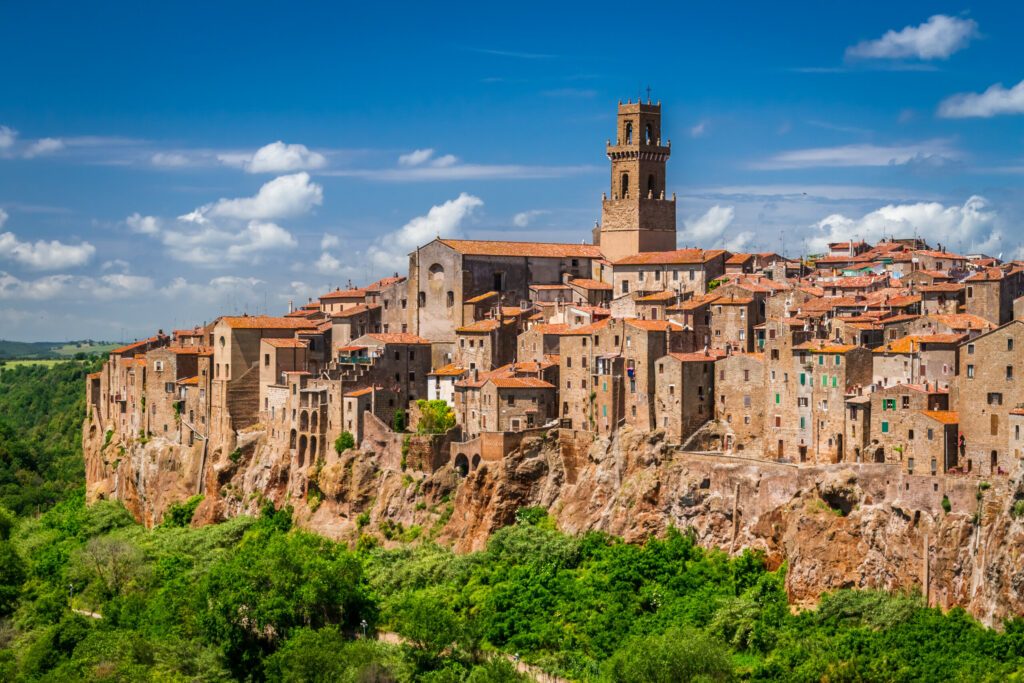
(778, 399)
(803, 379)
(835, 381)
(885, 427)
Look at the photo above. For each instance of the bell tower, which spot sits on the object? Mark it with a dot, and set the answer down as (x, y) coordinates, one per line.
(637, 216)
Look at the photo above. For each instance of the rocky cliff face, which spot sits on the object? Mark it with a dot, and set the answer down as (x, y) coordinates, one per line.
(836, 526)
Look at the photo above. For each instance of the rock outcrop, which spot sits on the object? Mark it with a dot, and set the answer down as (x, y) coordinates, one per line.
(836, 526)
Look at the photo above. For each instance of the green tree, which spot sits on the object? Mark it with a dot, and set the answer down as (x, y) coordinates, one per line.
(673, 656)
(12, 577)
(344, 442)
(398, 421)
(436, 417)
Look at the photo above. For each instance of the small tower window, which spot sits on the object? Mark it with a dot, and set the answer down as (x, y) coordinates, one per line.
(625, 185)
(629, 132)
(647, 134)
(652, 189)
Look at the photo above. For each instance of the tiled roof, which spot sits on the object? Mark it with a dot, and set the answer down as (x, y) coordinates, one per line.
(912, 342)
(189, 381)
(358, 309)
(134, 346)
(652, 325)
(738, 259)
(708, 356)
(359, 392)
(263, 322)
(814, 347)
(677, 257)
(450, 370)
(963, 321)
(940, 254)
(384, 282)
(664, 295)
(481, 297)
(694, 303)
(733, 301)
(398, 338)
(546, 328)
(344, 294)
(520, 383)
(587, 283)
(286, 343)
(481, 326)
(942, 287)
(542, 288)
(190, 350)
(588, 329)
(947, 417)
(533, 249)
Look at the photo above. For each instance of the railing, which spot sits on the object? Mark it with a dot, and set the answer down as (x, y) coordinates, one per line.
(357, 360)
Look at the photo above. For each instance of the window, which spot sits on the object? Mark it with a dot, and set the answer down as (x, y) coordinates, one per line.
(746, 375)
(746, 401)
(625, 286)
(422, 298)
(970, 349)
(778, 399)
(995, 398)
(905, 401)
(821, 360)
(1009, 344)
(888, 404)
(671, 389)
(803, 423)
(837, 358)
(624, 186)
(169, 387)
(1009, 372)
(266, 359)
(511, 400)
(450, 299)
(970, 372)
(885, 427)
(931, 434)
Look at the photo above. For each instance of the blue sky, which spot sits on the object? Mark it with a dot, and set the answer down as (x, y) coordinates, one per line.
(162, 165)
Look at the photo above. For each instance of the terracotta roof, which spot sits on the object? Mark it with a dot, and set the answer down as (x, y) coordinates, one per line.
(398, 338)
(733, 301)
(349, 348)
(189, 381)
(677, 257)
(263, 322)
(534, 249)
(942, 287)
(963, 321)
(947, 417)
(520, 383)
(344, 294)
(587, 283)
(358, 309)
(384, 282)
(652, 325)
(694, 303)
(481, 326)
(588, 329)
(912, 342)
(359, 392)
(481, 297)
(194, 332)
(708, 356)
(738, 259)
(542, 288)
(136, 345)
(814, 347)
(190, 350)
(450, 370)
(992, 274)
(664, 295)
(940, 254)
(286, 343)
(549, 328)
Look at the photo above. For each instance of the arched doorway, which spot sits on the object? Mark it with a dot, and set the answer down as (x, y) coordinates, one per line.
(879, 454)
(461, 465)
(476, 461)
(302, 450)
(312, 449)
(304, 421)
(291, 440)
(314, 419)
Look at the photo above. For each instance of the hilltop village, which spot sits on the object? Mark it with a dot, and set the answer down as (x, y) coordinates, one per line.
(898, 353)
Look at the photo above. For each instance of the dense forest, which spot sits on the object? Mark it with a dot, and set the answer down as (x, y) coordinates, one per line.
(88, 594)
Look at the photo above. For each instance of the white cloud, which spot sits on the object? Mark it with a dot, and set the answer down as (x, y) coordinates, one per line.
(287, 195)
(699, 130)
(113, 286)
(415, 157)
(709, 230)
(116, 264)
(937, 38)
(277, 157)
(43, 146)
(390, 252)
(524, 218)
(420, 157)
(170, 160)
(7, 137)
(213, 245)
(845, 156)
(43, 255)
(994, 101)
(329, 241)
(327, 264)
(974, 225)
(146, 225)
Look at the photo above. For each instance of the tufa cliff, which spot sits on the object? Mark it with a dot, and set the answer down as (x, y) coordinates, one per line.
(837, 526)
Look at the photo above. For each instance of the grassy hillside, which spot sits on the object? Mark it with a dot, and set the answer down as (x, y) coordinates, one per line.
(88, 594)
(42, 350)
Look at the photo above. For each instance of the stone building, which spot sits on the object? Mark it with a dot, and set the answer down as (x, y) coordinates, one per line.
(503, 404)
(355, 321)
(540, 341)
(680, 271)
(441, 383)
(893, 418)
(732, 323)
(739, 389)
(278, 356)
(987, 388)
(684, 392)
(991, 291)
(485, 344)
(917, 359)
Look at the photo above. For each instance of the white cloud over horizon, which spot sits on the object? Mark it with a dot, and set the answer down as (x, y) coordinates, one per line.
(282, 197)
(709, 230)
(938, 151)
(937, 38)
(43, 254)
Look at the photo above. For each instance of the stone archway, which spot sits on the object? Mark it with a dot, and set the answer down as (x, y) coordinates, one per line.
(302, 450)
(475, 462)
(461, 465)
(304, 421)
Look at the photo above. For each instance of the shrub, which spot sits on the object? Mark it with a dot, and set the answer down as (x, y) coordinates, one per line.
(181, 514)
(946, 505)
(1017, 511)
(436, 417)
(398, 421)
(235, 455)
(344, 442)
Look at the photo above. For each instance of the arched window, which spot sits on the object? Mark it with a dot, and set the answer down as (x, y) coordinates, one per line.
(436, 272)
(624, 191)
(304, 421)
(651, 186)
(302, 450)
(629, 132)
(647, 134)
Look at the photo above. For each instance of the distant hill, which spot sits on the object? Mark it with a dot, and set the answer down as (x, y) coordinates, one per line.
(53, 350)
